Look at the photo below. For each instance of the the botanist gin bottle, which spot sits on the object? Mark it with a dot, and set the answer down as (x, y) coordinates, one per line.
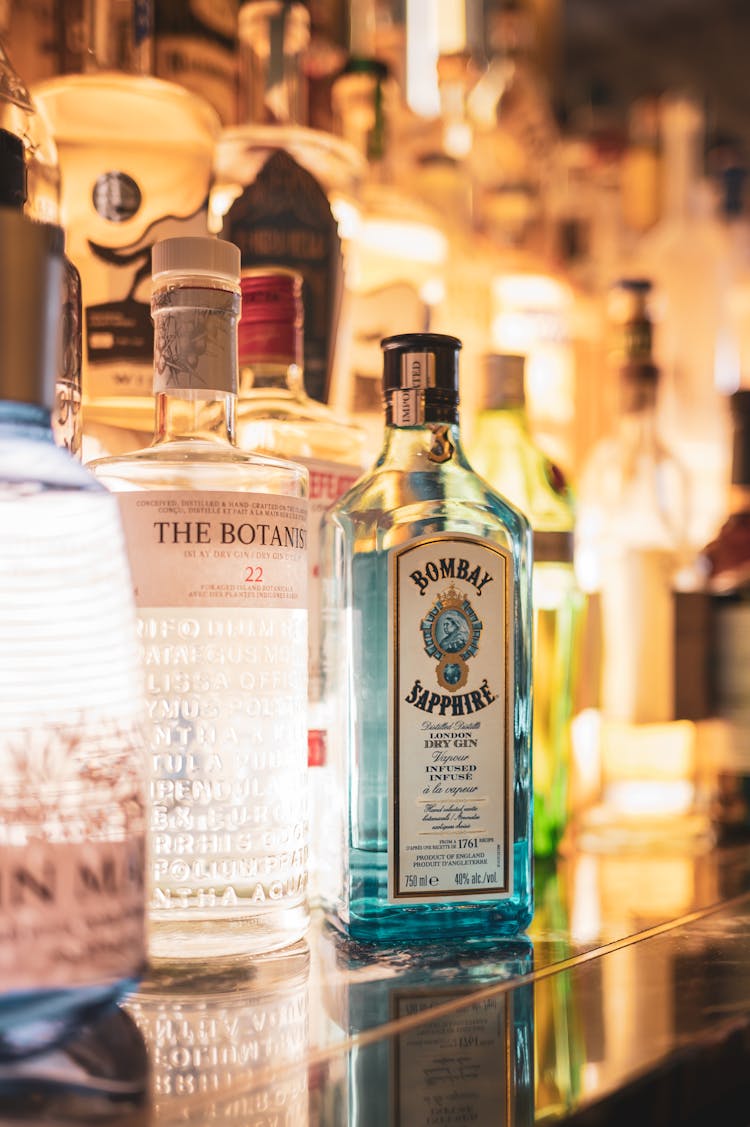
(217, 543)
(428, 593)
(135, 157)
(285, 193)
(71, 787)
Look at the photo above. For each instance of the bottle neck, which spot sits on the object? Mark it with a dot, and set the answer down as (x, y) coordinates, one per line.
(257, 376)
(510, 416)
(638, 393)
(410, 407)
(109, 35)
(682, 146)
(428, 445)
(194, 416)
(272, 87)
(360, 112)
(195, 360)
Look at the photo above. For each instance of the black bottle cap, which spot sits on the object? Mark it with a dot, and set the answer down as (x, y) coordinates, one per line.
(12, 171)
(420, 378)
(739, 404)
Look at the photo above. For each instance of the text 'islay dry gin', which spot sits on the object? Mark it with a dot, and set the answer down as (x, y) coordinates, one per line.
(217, 543)
(428, 648)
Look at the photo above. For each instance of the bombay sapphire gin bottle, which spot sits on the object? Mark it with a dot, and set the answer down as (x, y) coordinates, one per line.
(427, 649)
(72, 802)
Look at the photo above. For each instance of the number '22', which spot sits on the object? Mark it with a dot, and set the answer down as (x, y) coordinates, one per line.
(253, 574)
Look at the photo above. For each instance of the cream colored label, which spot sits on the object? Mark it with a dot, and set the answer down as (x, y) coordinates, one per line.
(454, 1068)
(450, 740)
(216, 549)
(71, 914)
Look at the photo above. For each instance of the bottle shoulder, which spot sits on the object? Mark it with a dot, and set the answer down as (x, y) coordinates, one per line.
(29, 464)
(389, 503)
(508, 458)
(141, 104)
(200, 465)
(287, 426)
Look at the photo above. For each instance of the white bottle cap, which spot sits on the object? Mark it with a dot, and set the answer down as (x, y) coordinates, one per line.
(215, 258)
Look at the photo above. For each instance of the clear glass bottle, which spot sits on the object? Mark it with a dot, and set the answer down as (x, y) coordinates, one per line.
(135, 156)
(217, 547)
(276, 416)
(631, 546)
(728, 559)
(285, 193)
(427, 637)
(72, 820)
(504, 452)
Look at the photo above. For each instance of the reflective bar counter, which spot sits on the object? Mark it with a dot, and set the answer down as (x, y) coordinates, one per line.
(629, 1000)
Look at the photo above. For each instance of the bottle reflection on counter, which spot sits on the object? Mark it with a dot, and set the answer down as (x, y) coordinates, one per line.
(229, 1044)
(454, 1061)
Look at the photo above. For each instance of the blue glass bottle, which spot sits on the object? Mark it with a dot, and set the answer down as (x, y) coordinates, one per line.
(427, 652)
(72, 821)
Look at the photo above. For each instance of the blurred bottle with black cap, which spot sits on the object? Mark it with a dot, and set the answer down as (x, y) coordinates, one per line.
(14, 193)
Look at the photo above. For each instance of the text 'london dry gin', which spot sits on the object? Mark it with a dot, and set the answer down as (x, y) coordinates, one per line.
(217, 542)
(428, 647)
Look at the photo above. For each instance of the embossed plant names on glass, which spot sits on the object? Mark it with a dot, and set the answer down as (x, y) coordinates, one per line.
(218, 552)
(427, 635)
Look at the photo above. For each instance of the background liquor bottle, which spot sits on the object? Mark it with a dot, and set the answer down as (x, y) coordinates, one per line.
(195, 44)
(631, 545)
(217, 546)
(21, 116)
(686, 253)
(514, 130)
(135, 155)
(397, 278)
(71, 797)
(276, 416)
(427, 613)
(728, 557)
(504, 452)
(284, 193)
(66, 416)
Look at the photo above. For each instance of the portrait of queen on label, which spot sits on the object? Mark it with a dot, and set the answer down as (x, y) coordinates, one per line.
(451, 632)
